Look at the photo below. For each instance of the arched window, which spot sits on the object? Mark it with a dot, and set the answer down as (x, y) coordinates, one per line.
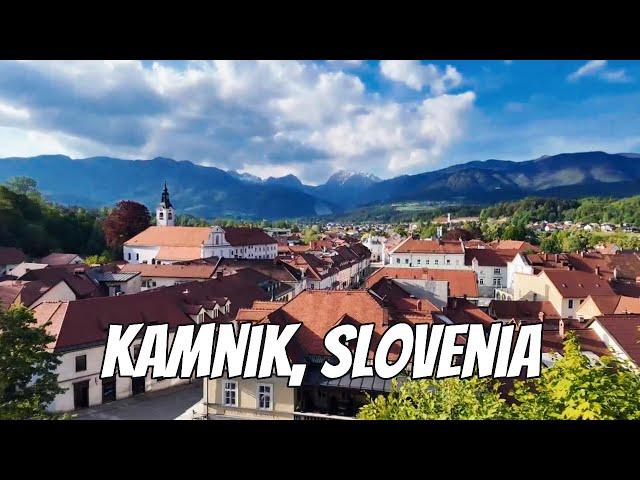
(160, 215)
(169, 216)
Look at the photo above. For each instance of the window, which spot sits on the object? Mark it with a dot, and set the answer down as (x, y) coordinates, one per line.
(136, 351)
(397, 260)
(137, 256)
(81, 363)
(201, 317)
(406, 260)
(436, 261)
(418, 261)
(496, 271)
(129, 256)
(230, 394)
(427, 261)
(448, 261)
(264, 397)
(169, 216)
(571, 303)
(481, 281)
(497, 282)
(160, 215)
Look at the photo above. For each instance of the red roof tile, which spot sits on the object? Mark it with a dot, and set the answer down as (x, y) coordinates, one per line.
(461, 282)
(11, 256)
(411, 245)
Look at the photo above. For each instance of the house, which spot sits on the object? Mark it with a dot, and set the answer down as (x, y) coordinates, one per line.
(80, 329)
(319, 312)
(620, 333)
(428, 253)
(33, 293)
(277, 269)
(522, 311)
(19, 270)
(57, 259)
(599, 305)
(456, 283)
(115, 282)
(490, 269)
(10, 257)
(565, 289)
(319, 274)
(376, 245)
(519, 245)
(74, 276)
(158, 275)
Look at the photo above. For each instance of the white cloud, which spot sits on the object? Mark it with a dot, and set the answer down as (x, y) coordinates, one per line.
(266, 116)
(417, 75)
(598, 68)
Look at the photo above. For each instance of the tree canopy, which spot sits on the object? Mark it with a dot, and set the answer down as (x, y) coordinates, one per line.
(28, 382)
(126, 220)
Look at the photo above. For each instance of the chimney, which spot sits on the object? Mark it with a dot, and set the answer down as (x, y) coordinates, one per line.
(615, 273)
(638, 279)
(556, 257)
(385, 317)
(561, 331)
(597, 272)
(219, 275)
(454, 303)
(541, 317)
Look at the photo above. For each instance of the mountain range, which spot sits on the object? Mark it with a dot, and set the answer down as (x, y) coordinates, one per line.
(212, 192)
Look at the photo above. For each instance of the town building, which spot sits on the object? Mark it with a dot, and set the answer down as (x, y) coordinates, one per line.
(80, 329)
(428, 254)
(60, 259)
(10, 257)
(565, 289)
(166, 243)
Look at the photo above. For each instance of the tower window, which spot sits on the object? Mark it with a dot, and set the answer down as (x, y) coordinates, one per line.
(169, 216)
(160, 215)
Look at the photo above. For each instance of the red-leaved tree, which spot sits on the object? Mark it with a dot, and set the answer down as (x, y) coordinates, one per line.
(125, 221)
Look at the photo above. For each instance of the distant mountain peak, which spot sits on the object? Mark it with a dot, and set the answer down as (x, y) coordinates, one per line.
(342, 176)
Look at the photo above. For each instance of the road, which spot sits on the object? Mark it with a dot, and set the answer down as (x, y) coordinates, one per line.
(174, 403)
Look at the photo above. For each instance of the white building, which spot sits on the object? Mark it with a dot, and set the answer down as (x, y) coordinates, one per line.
(376, 245)
(428, 253)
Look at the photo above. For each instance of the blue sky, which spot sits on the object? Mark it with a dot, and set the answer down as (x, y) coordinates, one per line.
(313, 118)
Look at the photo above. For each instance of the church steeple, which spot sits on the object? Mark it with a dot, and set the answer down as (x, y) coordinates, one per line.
(165, 214)
(165, 197)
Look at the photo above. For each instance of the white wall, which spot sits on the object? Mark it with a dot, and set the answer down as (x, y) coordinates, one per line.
(67, 376)
(58, 293)
(428, 260)
(139, 254)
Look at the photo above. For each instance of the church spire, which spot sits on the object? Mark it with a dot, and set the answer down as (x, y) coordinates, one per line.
(164, 201)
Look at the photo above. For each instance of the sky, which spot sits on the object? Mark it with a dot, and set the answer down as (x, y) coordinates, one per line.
(312, 118)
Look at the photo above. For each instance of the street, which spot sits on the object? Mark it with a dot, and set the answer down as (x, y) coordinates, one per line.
(176, 403)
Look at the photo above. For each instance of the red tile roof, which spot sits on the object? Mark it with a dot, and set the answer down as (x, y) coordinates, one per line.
(589, 341)
(85, 322)
(320, 311)
(411, 245)
(79, 282)
(522, 310)
(463, 311)
(170, 271)
(239, 236)
(20, 291)
(624, 329)
(574, 284)
(59, 258)
(171, 237)
(519, 245)
(461, 282)
(11, 256)
(485, 256)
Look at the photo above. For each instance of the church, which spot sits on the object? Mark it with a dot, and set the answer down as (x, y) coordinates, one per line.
(166, 243)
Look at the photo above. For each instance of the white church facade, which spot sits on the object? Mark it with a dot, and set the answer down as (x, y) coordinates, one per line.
(166, 243)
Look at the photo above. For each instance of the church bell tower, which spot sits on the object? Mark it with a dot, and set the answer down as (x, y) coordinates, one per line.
(165, 214)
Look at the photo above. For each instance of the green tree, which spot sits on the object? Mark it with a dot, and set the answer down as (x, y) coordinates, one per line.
(28, 382)
(24, 186)
(573, 389)
(446, 399)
